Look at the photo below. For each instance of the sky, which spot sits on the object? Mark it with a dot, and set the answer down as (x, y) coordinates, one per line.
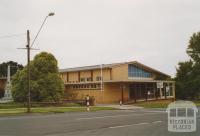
(89, 32)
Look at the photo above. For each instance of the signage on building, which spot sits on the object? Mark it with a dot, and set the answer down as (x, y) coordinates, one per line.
(167, 89)
(159, 84)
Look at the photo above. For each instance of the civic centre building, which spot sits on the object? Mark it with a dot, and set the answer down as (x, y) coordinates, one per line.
(111, 83)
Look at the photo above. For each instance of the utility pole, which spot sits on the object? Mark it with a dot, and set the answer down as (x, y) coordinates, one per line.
(28, 48)
(28, 72)
(101, 77)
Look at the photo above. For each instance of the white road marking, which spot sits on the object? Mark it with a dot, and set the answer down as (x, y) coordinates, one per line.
(157, 111)
(129, 125)
(101, 117)
(144, 123)
(156, 122)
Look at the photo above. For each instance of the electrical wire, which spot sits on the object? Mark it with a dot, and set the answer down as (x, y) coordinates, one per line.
(12, 35)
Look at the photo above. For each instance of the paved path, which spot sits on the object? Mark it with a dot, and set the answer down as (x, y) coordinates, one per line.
(137, 122)
(121, 107)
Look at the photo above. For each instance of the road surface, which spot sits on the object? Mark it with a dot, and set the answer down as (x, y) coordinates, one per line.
(140, 122)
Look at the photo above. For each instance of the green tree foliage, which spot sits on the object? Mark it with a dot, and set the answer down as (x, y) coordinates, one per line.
(188, 73)
(183, 76)
(14, 67)
(193, 49)
(46, 83)
(3, 72)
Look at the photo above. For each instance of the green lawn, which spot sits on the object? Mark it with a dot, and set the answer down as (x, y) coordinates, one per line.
(14, 108)
(158, 104)
(11, 105)
(68, 109)
(22, 105)
(22, 111)
(154, 104)
(197, 103)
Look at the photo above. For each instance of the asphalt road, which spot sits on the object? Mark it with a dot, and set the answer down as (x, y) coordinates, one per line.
(102, 123)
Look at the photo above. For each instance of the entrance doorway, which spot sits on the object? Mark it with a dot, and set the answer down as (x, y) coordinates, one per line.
(142, 90)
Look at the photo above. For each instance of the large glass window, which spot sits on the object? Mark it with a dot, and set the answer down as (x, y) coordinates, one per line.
(134, 71)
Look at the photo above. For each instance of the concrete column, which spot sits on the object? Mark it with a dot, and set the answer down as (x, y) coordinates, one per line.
(79, 73)
(165, 92)
(122, 93)
(146, 93)
(160, 89)
(67, 77)
(91, 72)
(173, 89)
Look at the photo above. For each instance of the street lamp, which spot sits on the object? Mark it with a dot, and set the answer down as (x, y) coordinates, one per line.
(28, 47)
(50, 14)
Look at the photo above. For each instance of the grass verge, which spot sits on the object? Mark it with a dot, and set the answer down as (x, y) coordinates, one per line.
(158, 104)
(197, 103)
(22, 111)
(154, 104)
(12, 105)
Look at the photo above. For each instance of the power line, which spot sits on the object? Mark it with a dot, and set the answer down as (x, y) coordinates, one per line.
(12, 35)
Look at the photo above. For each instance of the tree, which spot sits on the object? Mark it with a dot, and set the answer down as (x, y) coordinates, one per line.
(188, 73)
(3, 72)
(193, 49)
(46, 83)
(14, 67)
(183, 77)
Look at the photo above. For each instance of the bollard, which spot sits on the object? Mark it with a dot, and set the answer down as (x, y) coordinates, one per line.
(120, 103)
(88, 106)
(88, 103)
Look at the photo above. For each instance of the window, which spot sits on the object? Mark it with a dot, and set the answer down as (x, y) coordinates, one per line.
(134, 71)
(95, 86)
(86, 87)
(81, 86)
(98, 78)
(98, 86)
(89, 79)
(82, 79)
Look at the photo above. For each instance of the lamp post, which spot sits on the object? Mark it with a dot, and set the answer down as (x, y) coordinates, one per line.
(28, 48)
(50, 14)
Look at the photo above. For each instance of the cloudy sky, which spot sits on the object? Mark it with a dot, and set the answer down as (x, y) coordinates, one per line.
(87, 32)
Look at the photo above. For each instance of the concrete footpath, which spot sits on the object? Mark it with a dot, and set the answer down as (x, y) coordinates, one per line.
(120, 107)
